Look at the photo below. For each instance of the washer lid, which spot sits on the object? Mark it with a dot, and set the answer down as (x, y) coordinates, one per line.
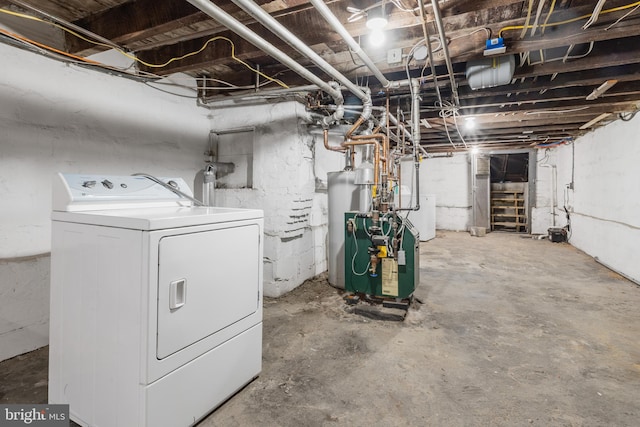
(158, 218)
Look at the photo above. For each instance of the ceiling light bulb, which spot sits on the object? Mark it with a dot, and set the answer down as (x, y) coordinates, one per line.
(377, 38)
(474, 150)
(470, 123)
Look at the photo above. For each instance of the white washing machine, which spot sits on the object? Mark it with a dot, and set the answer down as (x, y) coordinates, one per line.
(156, 305)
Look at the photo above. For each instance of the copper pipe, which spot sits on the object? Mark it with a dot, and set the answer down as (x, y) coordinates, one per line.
(376, 137)
(355, 126)
(339, 148)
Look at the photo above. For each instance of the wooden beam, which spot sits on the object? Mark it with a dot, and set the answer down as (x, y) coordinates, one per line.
(138, 20)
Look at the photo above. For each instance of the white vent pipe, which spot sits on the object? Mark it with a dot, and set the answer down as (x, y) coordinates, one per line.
(355, 47)
(237, 27)
(292, 40)
(445, 49)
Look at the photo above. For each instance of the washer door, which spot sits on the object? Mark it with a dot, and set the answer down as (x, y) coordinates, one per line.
(206, 282)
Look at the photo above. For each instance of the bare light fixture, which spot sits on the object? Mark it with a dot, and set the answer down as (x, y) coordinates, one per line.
(470, 123)
(377, 18)
(376, 21)
(594, 121)
(601, 89)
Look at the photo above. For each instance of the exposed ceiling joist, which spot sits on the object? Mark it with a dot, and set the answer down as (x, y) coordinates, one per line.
(546, 98)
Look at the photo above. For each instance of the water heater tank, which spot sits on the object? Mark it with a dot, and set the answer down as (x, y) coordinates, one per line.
(491, 71)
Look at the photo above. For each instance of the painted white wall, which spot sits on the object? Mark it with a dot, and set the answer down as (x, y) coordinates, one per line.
(449, 178)
(56, 117)
(289, 184)
(604, 202)
(541, 211)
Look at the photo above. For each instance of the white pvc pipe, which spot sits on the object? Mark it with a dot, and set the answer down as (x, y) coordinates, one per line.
(237, 27)
(553, 192)
(355, 47)
(445, 49)
(278, 29)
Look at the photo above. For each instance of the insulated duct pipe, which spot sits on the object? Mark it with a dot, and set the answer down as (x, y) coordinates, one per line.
(292, 40)
(394, 121)
(263, 94)
(445, 49)
(337, 25)
(237, 27)
(415, 123)
(415, 129)
(415, 111)
(339, 113)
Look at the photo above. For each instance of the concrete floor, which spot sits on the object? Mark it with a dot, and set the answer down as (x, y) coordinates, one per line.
(512, 331)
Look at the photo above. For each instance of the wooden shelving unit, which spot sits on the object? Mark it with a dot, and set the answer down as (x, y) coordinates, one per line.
(508, 211)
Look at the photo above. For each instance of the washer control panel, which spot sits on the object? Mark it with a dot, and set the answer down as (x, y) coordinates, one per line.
(73, 192)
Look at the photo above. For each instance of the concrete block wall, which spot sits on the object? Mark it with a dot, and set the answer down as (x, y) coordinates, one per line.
(604, 202)
(542, 212)
(449, 178)
(74, 120)
(289, 168)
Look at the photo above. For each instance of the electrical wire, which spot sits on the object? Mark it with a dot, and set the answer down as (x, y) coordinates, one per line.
(353, 260)
(622, 17)
(568, 21)
(551, 8)
(563, 141)
(447, 109)
(169, 187)
(627, 117)
(572, 110)
(44, 46)
(564, 58)
(526, 22)
(594, 15)
(142, 76)
(126, 54)
(488, 31)
(538, 14)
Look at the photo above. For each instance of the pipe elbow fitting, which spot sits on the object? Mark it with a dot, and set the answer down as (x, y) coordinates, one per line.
(339, 113)
(367, 105)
